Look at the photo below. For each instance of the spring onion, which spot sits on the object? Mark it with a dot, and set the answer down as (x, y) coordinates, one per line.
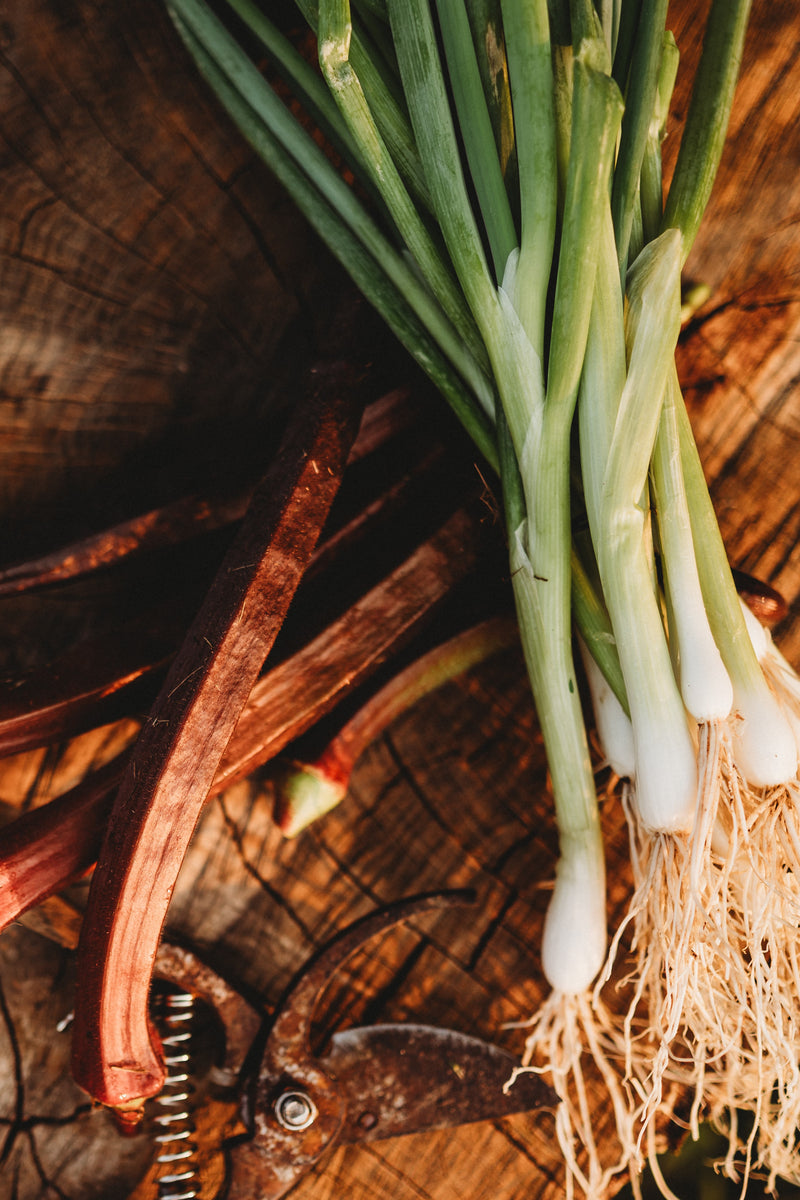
(511, 227)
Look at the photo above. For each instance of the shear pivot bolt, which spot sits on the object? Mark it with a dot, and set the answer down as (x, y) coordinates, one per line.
(295, 1110)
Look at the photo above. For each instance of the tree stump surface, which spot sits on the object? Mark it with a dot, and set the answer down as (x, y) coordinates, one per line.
(155, 286)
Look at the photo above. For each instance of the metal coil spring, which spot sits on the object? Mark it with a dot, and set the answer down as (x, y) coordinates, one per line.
(174, 1124)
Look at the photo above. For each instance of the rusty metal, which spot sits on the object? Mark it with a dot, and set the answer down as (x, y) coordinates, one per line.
(177, 1172)
(443, 1078)
(368, 1083)
(240, 1019)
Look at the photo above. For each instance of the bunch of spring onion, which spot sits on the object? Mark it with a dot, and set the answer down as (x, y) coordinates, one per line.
(509, 223)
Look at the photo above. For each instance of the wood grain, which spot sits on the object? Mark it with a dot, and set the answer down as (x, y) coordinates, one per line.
(148, 268)
(138, 286)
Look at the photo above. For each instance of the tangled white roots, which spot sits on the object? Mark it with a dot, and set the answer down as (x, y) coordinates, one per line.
(573, 1040)
(706, 968)
(715, 976)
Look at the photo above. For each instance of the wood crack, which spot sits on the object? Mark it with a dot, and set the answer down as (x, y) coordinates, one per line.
(430, 809)
(378, 1003)
(252, 870)
(492, 926)
(19, 1080)
(399, 1176)
(50, 1184)
(30, 94)
(553, 1174)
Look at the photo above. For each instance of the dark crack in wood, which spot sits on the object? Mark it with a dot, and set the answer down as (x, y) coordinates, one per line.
(253, 872)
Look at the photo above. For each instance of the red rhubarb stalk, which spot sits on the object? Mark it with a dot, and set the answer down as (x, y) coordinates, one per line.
(307, 790)
(115, 1054)
(58, 842)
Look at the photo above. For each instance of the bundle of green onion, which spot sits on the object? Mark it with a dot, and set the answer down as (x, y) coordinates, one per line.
(510, 226)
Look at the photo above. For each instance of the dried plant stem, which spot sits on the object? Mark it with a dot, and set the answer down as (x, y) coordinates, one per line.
(173, 765)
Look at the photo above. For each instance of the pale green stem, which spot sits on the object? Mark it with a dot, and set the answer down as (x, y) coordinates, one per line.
(334, 56)
(594, 625)
(716, 579)
(704, 682)
(562, 96)
(586, 26)
(609, 12)
(764, 743)
(372, 274)
(619, 416)
(488, 35)
(605, 368)
(387, 108)
(651, 187)
(640, 100)
(652, 327)
(665, 768)
(596, 113)
(707, 123)
(554, 685)
(542, 577)
(418, 56)
(626, 37)
(532, 88)
(541, 547)
(476, 131)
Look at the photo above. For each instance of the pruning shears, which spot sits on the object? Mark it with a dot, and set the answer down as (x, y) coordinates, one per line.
(367, 1083)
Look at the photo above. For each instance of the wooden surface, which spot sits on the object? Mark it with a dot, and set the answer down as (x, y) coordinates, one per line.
(149, 268)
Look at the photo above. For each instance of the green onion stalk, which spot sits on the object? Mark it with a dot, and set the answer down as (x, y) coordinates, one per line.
(714, 727)
(511, 228)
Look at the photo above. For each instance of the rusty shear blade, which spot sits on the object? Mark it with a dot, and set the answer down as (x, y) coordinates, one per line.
(402, 1079)
(372, 1082)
